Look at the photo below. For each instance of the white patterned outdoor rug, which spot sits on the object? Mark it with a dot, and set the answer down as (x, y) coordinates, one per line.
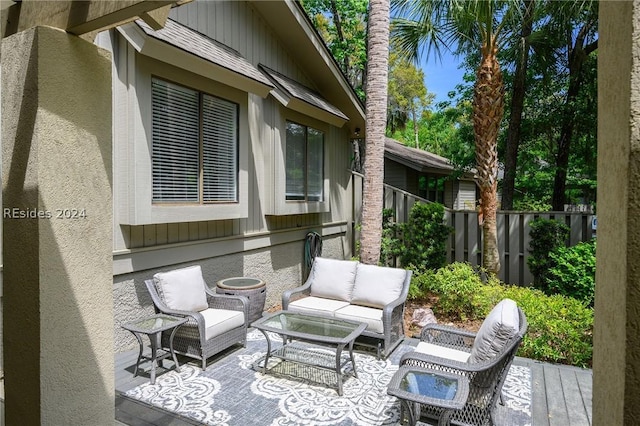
(231, 392)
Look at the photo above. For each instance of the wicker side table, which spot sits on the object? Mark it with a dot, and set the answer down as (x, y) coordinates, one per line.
(416, 385)
(253, 289)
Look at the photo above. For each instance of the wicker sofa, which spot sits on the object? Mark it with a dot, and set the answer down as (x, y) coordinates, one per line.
(351, 290)
(215, 321)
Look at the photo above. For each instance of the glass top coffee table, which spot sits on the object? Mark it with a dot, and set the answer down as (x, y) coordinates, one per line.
(315, 329)
(418, 385)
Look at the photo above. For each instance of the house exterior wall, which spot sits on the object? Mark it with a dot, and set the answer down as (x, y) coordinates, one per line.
(466, 195)
(280, 266)
(395, 174)
(261, 244)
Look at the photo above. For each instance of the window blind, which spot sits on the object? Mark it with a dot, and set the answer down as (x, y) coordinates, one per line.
(175, 132)
(219, 149)
(195, 146)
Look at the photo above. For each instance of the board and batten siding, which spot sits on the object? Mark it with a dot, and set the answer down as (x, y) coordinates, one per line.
(395, 174)
(238, 26)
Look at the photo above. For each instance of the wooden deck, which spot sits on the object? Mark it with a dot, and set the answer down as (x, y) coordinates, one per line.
(561, 396)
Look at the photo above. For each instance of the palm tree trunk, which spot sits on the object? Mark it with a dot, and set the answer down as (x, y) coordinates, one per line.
(488, 109)
(376, 111)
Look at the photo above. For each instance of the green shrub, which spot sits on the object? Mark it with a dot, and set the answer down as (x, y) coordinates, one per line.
(546, 236)
(574, 271)
(424, 237)
(418, 288)
(390, 245)
(560, 328)
(456, 285)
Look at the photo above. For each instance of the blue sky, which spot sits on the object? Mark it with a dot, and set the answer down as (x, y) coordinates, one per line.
(441, 77)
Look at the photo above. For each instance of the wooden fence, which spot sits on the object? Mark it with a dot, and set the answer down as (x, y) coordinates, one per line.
(465, 244)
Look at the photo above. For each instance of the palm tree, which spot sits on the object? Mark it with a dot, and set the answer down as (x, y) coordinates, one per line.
(376, 111)
(461, 25)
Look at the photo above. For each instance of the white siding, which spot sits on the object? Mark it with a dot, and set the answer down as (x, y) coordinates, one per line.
(465, 196)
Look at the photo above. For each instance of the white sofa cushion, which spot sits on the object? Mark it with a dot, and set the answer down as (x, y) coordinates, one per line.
(370, 316)
(442, 352)
(218, 321)
(377, 286)
(333, 278)
(502, 323)
(316, 305)
(183, 289)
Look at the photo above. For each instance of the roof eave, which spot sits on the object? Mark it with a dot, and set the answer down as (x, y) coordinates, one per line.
(289, 21)
(150, 46)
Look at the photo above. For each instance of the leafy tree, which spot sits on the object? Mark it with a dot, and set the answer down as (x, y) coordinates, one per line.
(485, 26)
(447, 131)
(376, 112)
(517, 105)
(342, 25)
(575, 27)
(408, 96)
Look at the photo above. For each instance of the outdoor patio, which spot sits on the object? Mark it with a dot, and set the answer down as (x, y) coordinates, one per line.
(559, 395)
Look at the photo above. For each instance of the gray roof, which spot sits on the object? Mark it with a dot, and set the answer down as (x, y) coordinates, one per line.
(206, 48)
(296, 90)
(416, 158)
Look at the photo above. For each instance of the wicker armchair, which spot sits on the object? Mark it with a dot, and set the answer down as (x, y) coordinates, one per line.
(221, 323)
(455, 349)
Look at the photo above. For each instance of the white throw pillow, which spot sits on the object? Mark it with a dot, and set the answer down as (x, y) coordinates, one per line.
(377, 286)
(502, 323)
(332, 278)
(183, 289)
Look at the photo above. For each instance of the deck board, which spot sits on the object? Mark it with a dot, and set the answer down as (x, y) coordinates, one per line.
(585, 381)
(573, 398)
(558, 414)
(539, 409)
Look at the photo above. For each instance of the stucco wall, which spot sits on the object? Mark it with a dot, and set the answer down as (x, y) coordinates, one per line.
(280, 267)
(616, 359)
(56, 142)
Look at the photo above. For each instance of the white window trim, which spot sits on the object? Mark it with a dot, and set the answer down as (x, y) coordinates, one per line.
(140, 209)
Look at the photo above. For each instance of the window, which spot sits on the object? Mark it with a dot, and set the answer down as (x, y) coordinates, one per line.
(195, 146)
(304, 163)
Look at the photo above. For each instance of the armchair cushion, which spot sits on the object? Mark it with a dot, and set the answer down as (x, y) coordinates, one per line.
(377, 286)
(332, 278)
(218, 321)
(500, 326)
(183, 289)
(442, 352)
